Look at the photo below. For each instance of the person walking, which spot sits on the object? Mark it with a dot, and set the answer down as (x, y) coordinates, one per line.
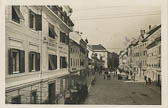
(104, 75)
(149, 80)
(145, 78)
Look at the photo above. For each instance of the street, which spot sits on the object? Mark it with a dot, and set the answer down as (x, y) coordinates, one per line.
(119, 92)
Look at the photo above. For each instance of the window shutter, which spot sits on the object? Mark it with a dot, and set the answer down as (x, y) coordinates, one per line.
(30, 61)
(38, 22)
(67, 40)
(55, 61)
(10, 61)
(18, 12)
(37, 61)
(52, 31)
(30, 19)
(64, 37)
(60, 62)
(60, 36)
(22, 61)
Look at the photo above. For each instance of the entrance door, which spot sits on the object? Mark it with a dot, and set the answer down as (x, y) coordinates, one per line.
(51, 93)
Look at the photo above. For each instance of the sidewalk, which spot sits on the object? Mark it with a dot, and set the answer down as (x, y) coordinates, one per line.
(89, 80)
(153, 85)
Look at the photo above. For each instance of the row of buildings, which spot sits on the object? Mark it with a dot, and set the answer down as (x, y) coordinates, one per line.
(43, 61)
(143, 55)
(45, 58)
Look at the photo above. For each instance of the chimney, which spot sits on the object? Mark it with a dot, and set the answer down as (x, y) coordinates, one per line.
(150, 27)
(142, 32)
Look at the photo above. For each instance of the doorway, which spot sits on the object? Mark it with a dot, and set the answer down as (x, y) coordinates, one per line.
(51, 93)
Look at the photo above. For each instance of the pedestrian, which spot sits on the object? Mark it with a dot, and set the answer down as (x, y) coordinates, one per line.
(145, 78)
(149, 80)
(104, 75)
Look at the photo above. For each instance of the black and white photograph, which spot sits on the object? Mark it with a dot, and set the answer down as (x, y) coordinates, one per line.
(87, 53)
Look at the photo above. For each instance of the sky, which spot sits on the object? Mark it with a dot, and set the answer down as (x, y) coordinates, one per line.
(113, 23)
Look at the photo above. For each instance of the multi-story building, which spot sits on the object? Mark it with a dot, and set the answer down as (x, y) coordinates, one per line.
(139, 53)
(74, 58)
(144, 54)
(123, 60)
(101, 52)
(154, 55)
(37, 39)
(83, 60)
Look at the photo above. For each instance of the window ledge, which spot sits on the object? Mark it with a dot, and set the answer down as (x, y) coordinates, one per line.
(18, 24)
(21, 74)
(33, 30)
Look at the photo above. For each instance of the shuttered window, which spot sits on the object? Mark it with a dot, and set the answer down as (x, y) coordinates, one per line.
(64, 38)
(35, 21)
(63, 62)
(52, 62)
(16, 14)
(16, 61)
(31, 19)
(16, 100)
(34, 61)
(51, 31)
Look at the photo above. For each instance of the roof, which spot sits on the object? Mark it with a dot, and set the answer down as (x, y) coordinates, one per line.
(154, 43)
(151, 32)
(135, 44)
(97, 47)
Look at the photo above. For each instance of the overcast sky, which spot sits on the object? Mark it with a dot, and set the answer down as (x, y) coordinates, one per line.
(114, 22)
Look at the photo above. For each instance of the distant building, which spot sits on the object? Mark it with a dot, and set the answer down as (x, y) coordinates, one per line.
(154, 55)
(78, 58)
(101, 52)
(144, 54)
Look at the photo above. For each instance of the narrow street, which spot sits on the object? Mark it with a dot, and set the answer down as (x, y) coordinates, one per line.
(119, 92)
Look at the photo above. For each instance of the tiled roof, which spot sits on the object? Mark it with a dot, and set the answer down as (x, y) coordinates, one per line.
(97, 47)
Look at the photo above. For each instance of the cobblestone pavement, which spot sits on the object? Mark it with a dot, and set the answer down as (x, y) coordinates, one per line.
(119, 92)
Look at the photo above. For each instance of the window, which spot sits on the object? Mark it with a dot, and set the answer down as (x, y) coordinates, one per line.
(64, 38)
(51, 31)
(81, 63)
(16, 100)
(33, 97)
(63, 63)
(16, 14)
(34, 61)
(16, 61)
(31, 19)
(52, 61)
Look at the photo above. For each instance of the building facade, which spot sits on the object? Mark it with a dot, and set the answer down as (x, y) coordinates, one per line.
(144, 54)
(101, 52)
(154, 56)
(37, 39)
